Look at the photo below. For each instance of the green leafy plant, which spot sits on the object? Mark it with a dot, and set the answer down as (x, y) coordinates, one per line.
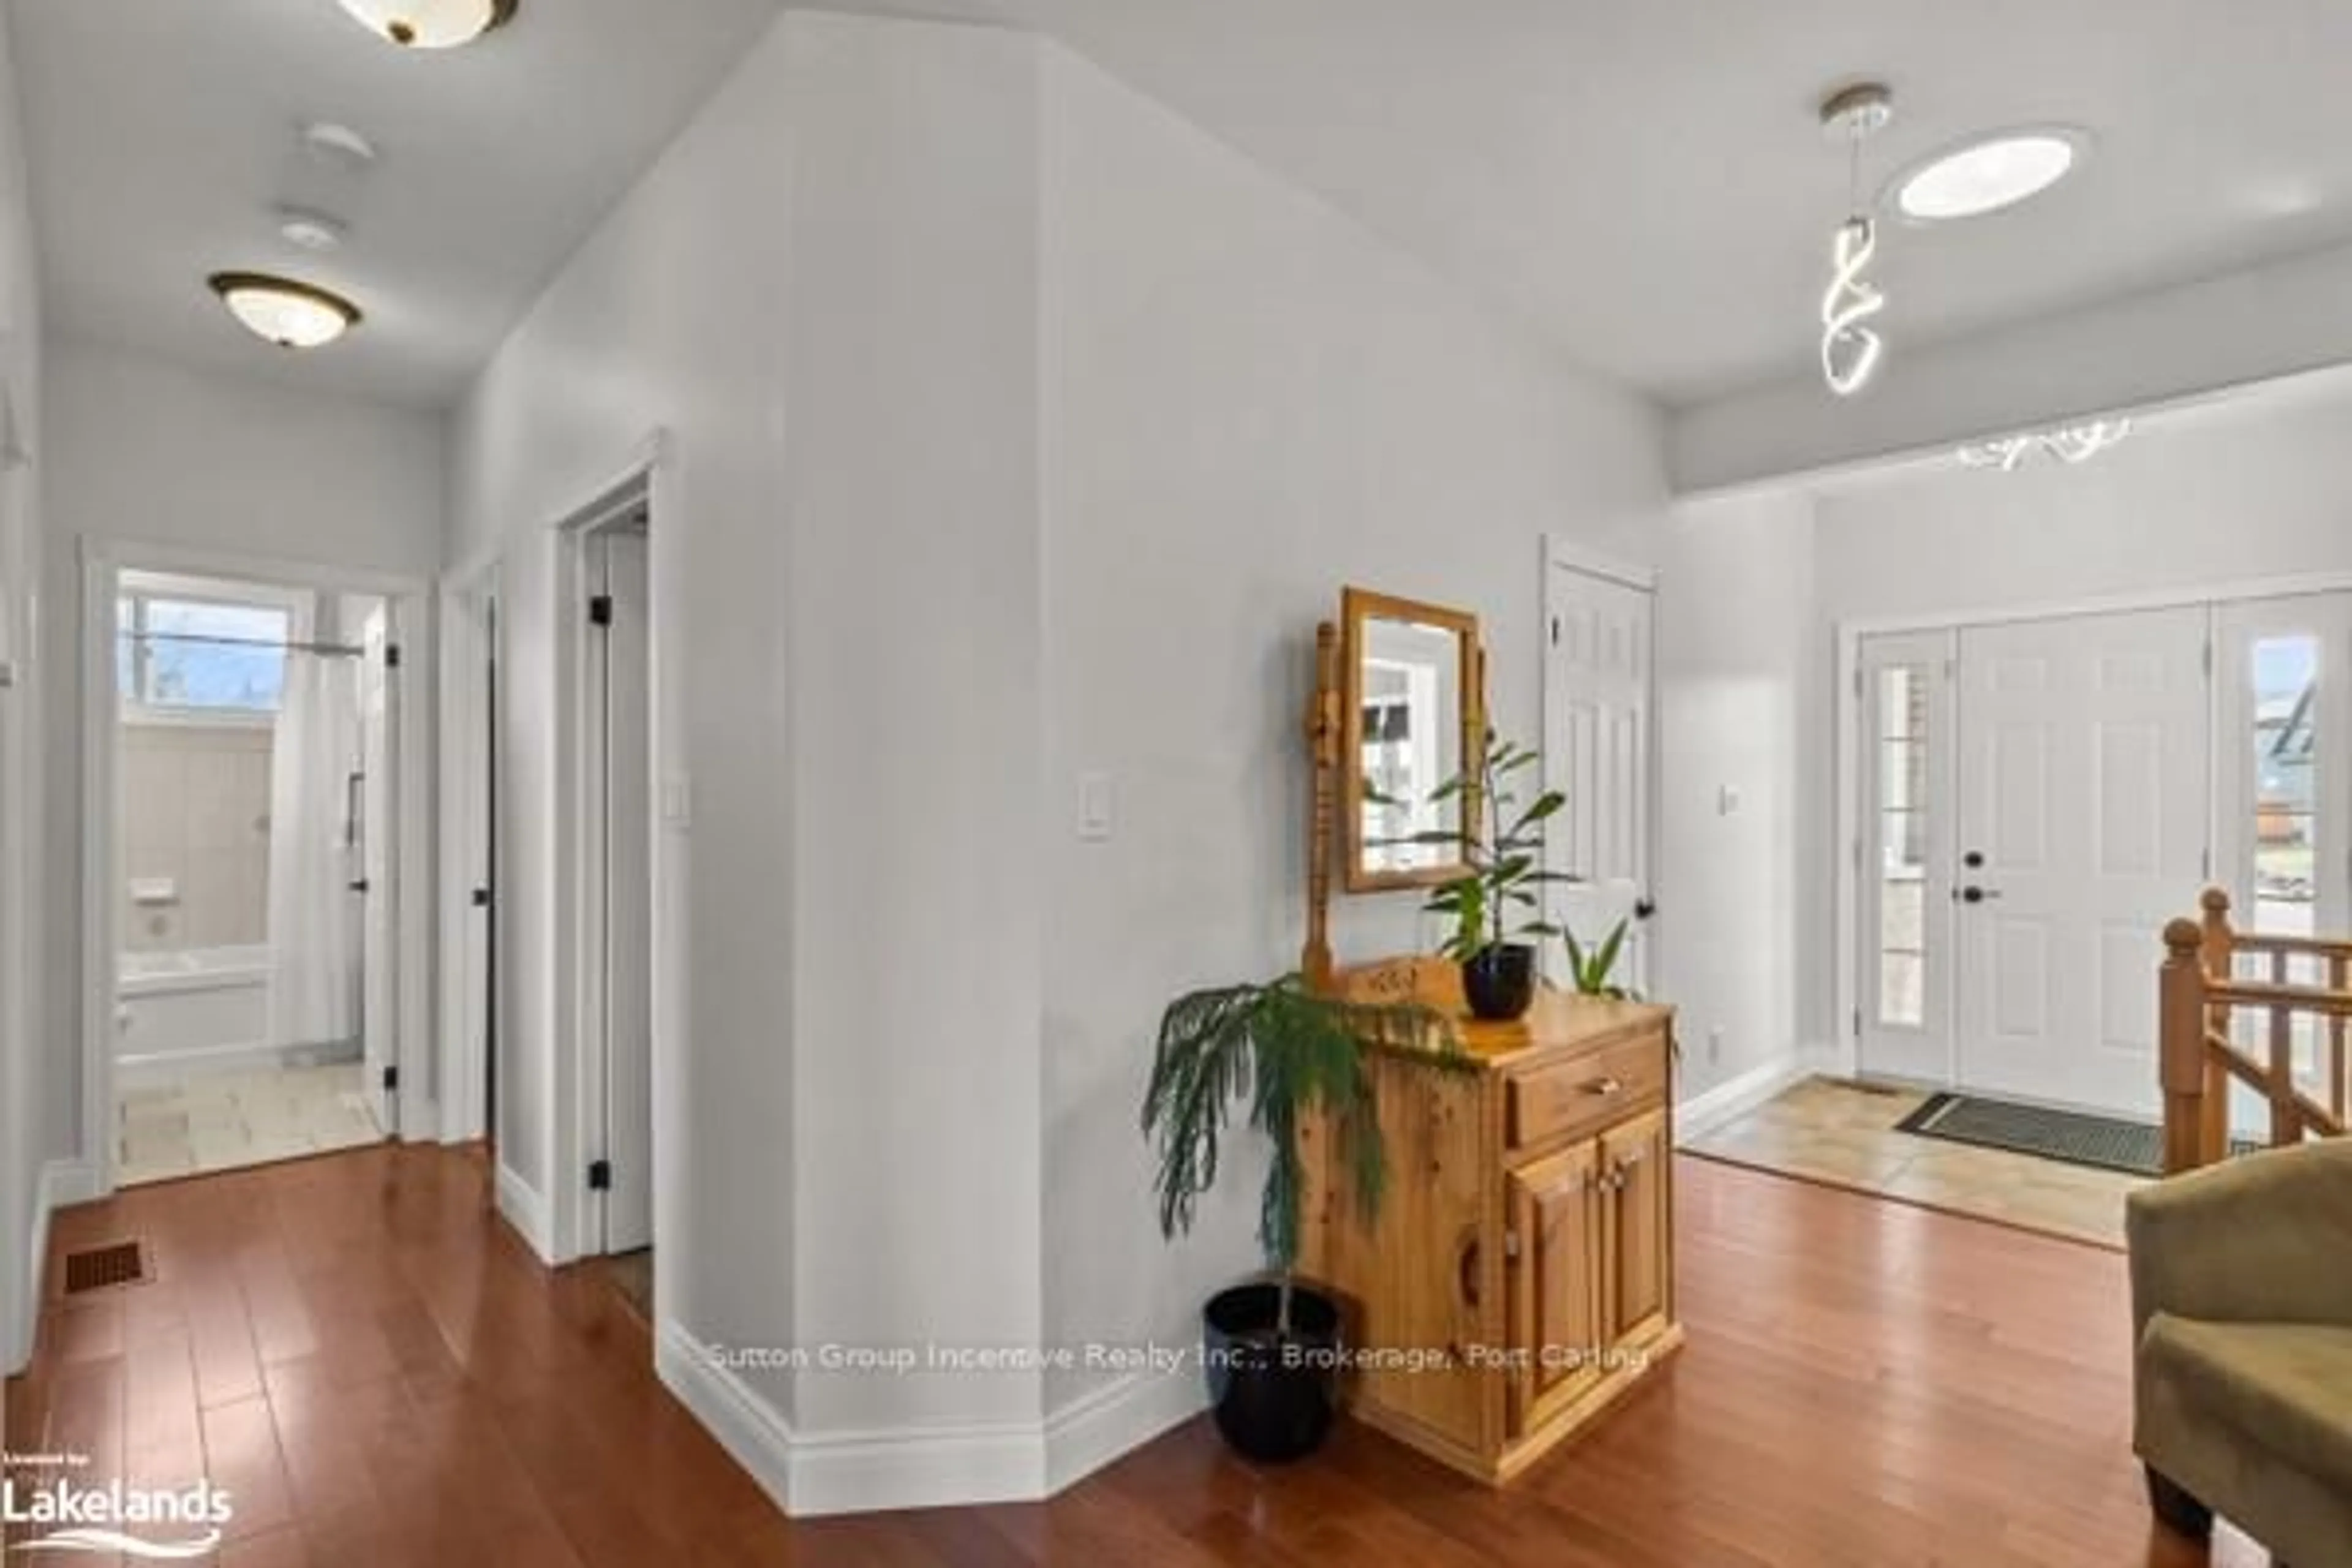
(1591, 970)
(1500, 845)
(1286, 1051)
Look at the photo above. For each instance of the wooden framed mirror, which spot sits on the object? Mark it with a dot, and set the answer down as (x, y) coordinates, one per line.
(1412, 708)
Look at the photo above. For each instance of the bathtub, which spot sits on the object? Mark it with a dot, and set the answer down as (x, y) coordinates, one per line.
(192, 1008)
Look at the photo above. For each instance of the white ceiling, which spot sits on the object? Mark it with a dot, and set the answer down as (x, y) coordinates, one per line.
(1645, 179)
(161, 131)
(1643, 182)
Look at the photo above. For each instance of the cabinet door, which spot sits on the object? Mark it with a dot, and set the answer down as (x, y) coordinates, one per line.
(1556, 1329)
(1637, 1241)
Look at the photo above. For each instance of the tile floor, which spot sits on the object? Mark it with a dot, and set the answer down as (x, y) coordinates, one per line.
(1842, 1133)
(222, 1121)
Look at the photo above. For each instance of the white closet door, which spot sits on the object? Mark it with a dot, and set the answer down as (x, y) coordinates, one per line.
(628, 910)
(1597, 749)
(2084, 799)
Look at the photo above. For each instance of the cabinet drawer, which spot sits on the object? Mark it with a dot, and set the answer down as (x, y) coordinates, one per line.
(1586, 1094)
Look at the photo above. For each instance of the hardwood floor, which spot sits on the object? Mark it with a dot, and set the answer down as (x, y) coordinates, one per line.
(381, 1374)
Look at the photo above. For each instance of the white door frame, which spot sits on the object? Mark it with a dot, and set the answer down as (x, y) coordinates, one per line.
(649, 480)
(1847, 714)
(103, 561)
(467, 644)
(1563, 554)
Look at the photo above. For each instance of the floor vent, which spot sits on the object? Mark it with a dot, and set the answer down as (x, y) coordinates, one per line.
(104, 1267)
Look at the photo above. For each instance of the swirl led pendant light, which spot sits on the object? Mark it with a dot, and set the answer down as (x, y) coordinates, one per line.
(1850, 347)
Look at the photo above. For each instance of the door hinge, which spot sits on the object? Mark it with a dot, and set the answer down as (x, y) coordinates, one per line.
(1857, 1023)
(2209, 658)
(392, 656)
(600, 610)
(2206, 860)
(390, 1080)
(600, 1175)
(481, 898)
(1555, 631)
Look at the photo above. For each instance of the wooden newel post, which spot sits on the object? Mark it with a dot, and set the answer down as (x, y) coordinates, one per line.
(2220, 950)
(2181, 1023)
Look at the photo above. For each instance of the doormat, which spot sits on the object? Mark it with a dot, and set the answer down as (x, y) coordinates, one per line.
(2073, 1137)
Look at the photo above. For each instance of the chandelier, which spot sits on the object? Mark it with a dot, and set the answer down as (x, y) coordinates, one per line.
(2068, 443)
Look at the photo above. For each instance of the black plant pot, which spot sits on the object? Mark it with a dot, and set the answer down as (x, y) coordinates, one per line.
(1500, 981)
(1272, 1393)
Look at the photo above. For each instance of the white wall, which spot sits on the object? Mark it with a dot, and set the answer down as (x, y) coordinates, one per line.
(1745, 678)
(1250, 403)
(23, 1072)
(140, 450)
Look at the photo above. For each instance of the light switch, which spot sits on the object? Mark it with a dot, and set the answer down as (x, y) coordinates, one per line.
(1097, 807)
(677, 801)
(1726, 801)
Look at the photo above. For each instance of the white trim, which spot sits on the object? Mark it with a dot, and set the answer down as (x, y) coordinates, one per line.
(527, 1212)
(65, 1183)
(467, 645)
(409, 598)
(2295, 585)
(1570, 555)
(1734, 1097)
(755, 1435)
(60, 1185)
(1108, 1423)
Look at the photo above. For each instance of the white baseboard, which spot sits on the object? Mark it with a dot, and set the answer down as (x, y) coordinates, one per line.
(527, 1212)
(1113, 1421)
(65, 1183)
(811, 1474)
(1734, 1097)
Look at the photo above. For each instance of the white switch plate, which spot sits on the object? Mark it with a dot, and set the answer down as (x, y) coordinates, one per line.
(1726, 801)
(1097, 807)
(677, 800)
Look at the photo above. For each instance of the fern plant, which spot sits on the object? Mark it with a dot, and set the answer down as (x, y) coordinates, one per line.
(1284, 1051)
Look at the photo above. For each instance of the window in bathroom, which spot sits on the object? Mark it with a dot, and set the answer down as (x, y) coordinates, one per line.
(186, 654)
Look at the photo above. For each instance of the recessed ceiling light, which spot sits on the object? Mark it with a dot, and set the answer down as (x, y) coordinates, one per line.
(282, 311)
(430, 24)
(1990, 174)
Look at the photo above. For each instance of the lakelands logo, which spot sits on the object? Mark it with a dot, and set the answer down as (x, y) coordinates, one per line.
(153, 1524)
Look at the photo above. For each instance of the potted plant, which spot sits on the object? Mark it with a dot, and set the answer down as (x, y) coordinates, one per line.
(1494, 904)
(1272, 1344)
(1593, 971)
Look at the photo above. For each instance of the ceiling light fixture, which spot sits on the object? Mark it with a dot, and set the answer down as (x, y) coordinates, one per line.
(1851, 349)
(282, 311)
(430, 24)
(1988, 175)
(2069, 444)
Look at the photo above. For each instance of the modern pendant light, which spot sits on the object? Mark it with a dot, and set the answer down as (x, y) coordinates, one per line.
(282, 311)
(1851, 348)
(430, 24)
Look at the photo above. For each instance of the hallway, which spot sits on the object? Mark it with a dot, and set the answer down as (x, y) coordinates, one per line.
(379, 1373)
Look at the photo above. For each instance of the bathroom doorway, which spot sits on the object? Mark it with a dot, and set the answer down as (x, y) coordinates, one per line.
(248, 741)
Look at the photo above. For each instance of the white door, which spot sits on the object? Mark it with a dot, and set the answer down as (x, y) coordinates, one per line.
(1597, 694)
(2084, 808)
(378, 882)
(628, 890)
(1903, 857)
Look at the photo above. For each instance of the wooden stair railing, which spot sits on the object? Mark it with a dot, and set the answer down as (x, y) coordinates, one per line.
(2203, 993)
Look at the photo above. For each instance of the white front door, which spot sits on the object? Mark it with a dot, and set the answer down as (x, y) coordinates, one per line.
(2084, 807)
(1597, 689)
(378, 874)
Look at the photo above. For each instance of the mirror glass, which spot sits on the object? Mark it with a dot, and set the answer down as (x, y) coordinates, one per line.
(1410, 673)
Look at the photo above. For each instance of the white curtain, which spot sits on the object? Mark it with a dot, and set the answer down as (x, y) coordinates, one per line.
(313, 978)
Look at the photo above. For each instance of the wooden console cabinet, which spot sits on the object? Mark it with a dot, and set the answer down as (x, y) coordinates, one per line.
(1519, 1274)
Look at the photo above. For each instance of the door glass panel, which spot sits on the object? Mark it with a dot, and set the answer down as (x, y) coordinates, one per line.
(2286, 800)
(1901, 707)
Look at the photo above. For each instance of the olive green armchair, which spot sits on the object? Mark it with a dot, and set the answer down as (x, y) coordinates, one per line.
(2241, 1302)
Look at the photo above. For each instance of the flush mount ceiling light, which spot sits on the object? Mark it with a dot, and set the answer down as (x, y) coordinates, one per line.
(430, 24)
(282, 311)
(1851, 348)
(1989, 173)
(2068, 443)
